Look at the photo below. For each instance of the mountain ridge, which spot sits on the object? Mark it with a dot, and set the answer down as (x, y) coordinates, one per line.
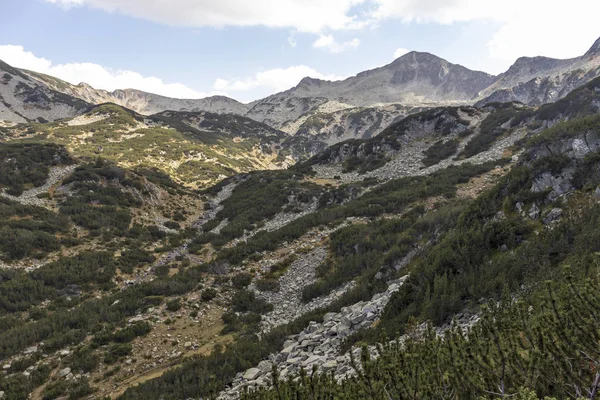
(414, 80)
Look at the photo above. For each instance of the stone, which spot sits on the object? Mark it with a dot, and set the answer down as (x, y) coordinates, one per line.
(329, 317)
(553, 216)
(288, 350)
(294, 360)
(534, 212)
(30, 350)
(519, 206)
(265, 366)
(64, 353)
(252, 374)
(6, 366)
(358, 318)
(312, 327)
(329, 365)
(313, 360)
(64, 372)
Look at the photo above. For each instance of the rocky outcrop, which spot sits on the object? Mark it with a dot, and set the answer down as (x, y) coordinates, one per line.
(318, 345)
(542, 89)
(349, 123)
(287, 301)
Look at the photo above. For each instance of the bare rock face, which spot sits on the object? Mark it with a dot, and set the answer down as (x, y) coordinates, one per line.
(539, 80)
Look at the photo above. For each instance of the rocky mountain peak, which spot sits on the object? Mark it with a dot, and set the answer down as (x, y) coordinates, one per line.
(533, 65)
(84, 85)
(594, 50)
(421, 56)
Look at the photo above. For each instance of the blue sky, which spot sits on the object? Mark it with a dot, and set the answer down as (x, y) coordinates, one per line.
(253, 48)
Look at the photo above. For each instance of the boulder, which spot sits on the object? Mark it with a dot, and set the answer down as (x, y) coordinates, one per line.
(552, 216)
(534, 212)
(64, 372)
(252, 374)
(330, 316)
(313, 360)
(265, 366)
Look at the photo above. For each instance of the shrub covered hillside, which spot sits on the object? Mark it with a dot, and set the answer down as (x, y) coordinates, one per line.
(197, 149)
(524, 256)
(520, 255)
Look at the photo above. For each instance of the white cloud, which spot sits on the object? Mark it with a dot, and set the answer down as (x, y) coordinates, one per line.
(329, 43)
(303, 15)
(400, 51)
(95, 75)
(528, 27)
(275, 80)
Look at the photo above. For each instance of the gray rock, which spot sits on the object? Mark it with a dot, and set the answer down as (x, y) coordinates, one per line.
(330, 316)
(534, 212)
(519, 207)
(252, 374)
(265, 366)
(64, 372)
(313, 360)
(553, 216)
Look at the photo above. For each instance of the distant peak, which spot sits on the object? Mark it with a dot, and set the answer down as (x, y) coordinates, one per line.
(84, 85)
(595, 49)
(308, 81)
(408, 54)
(421, 56)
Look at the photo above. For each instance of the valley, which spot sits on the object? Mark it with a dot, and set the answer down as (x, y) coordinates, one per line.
(403, 233)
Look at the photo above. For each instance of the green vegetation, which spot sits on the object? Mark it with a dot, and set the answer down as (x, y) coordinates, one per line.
(543, 345)
(392, 197)
(72, 321)
(258, 198)
(492, 128)
(28, 231)
(19, 291)
(567, 129)
(439, 151)
(27, 164)
(192, 149)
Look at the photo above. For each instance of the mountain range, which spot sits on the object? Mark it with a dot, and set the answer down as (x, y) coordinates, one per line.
(415, 80)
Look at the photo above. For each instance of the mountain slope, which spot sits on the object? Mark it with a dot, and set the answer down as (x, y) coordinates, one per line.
(24, 99)
(414, 78)
(197, 149)
(539, 80)
(139, 101)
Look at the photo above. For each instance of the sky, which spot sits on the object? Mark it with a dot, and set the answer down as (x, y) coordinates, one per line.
(249, 49)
